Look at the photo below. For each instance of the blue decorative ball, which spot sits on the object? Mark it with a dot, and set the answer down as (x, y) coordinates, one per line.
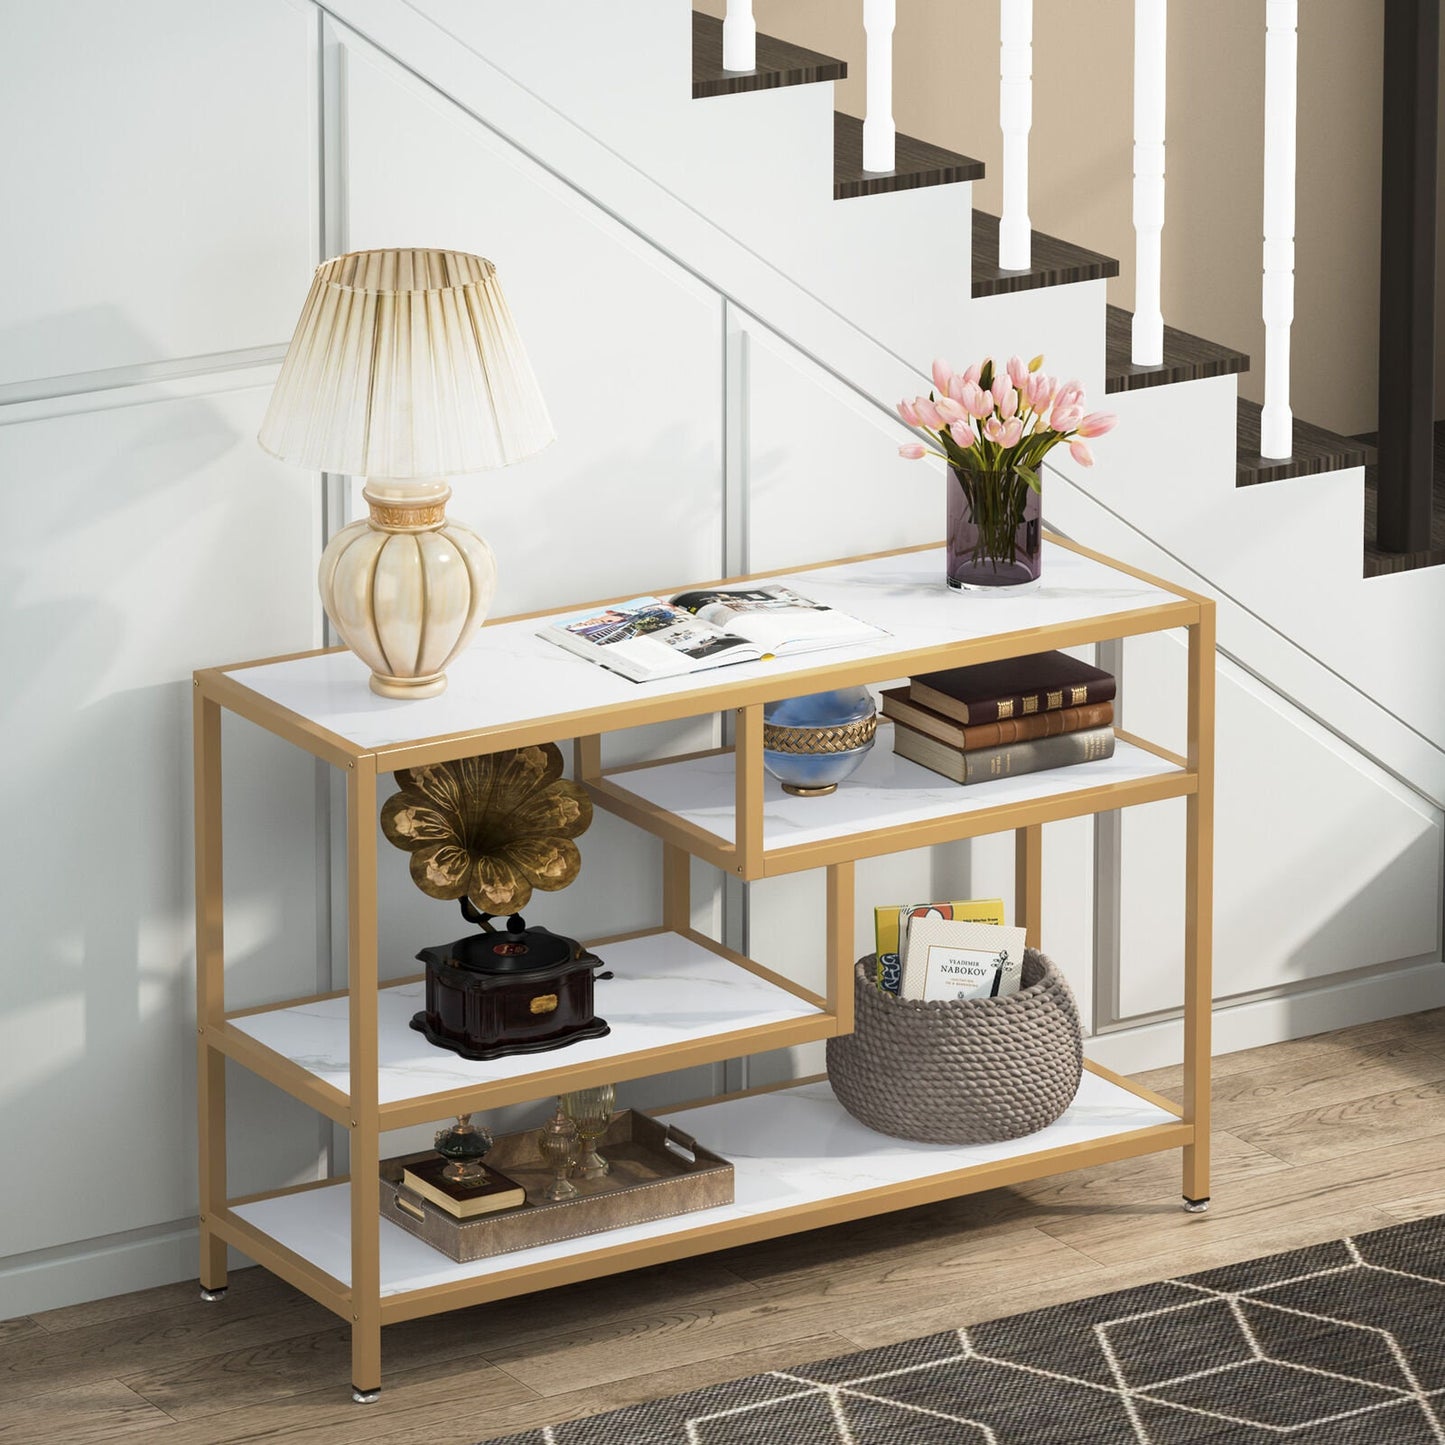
(810, 744)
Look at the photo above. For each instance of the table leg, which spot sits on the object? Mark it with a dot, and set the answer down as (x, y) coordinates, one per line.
(1199, 909)
(210, 988)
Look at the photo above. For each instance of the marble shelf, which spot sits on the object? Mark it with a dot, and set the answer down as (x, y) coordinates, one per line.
(888, 794)
(901, 592)
(668, 992)
(795, 1153)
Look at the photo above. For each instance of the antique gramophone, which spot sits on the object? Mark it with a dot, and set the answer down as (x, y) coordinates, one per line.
(486, 831)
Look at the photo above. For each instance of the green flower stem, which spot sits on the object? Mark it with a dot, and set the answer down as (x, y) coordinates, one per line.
(996, 502)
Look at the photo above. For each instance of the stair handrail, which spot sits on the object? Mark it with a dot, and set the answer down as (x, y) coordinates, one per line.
(1281, 62)
(1150, 59)
(1015, 117)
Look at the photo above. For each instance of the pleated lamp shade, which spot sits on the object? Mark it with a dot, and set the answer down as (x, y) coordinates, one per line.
(405, 364)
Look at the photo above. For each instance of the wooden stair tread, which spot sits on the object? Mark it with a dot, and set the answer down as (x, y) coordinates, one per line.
(779, 63)
(1053, 262)
(1315, 450)
(917, 163)
(1186, 357)
(1384, 564)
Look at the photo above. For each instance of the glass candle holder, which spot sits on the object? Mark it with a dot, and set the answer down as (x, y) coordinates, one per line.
(591, 1111)
(557, 1144)
(463, 1146)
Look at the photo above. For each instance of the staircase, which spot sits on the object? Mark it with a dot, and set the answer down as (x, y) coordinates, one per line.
(837, 287)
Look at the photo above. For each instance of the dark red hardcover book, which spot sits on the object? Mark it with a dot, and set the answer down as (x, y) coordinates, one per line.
(1012, 687)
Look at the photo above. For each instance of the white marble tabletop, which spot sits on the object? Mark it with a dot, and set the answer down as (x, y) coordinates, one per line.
(511, 676)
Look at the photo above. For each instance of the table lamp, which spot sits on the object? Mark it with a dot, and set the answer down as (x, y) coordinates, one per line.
(405, 369)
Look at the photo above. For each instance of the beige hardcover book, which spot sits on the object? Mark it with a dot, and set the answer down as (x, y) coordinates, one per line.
(950, 958)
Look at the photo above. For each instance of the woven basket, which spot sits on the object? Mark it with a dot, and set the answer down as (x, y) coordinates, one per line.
(960, 1071)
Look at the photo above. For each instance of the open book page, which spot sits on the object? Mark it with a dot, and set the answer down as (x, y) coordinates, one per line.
(647, 638)
(777, 619)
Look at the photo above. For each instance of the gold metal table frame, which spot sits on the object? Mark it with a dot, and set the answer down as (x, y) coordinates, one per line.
(360, 1111)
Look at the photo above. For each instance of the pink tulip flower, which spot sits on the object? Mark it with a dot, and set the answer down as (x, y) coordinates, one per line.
(993, 429)
(1018, 372)
(942, 375)
(949, 409)
(905, 410)
(1064, 418)
(1081, 453)
(974, 372)
(912, 451)
(928, 414)
(1071, 395)
(1012, 431)
(1097, 423)
(999, 387)
(956, 385)
(976, 401)
(963, 434)
(1039, 391)
(1009, 405)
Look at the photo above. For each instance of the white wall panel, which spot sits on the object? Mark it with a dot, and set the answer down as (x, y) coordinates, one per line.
(142, 541)
(627, 348)
(628, 352)
(1323, 863)
(156, 179)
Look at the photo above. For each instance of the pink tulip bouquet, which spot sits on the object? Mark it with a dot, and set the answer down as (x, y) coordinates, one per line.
(994, 426)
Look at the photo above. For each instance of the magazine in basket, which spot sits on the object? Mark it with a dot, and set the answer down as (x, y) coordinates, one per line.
(647, 638)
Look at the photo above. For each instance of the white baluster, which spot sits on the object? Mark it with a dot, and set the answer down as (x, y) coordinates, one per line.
(1015, 115)
(740, 37)
(879, 18)
(1150, 54)
(1280, 68)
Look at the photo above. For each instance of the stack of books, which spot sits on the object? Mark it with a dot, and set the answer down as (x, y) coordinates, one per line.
(999, 719)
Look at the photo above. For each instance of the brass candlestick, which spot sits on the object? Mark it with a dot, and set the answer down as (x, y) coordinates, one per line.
(591, 1111)
(557, 1144)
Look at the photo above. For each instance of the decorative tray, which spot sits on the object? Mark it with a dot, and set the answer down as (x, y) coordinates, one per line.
(657, 1171)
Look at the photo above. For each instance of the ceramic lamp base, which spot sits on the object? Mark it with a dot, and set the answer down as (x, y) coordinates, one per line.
(407, 588)
(408, 688)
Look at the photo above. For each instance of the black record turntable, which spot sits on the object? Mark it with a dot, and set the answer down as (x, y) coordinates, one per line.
(519, 991)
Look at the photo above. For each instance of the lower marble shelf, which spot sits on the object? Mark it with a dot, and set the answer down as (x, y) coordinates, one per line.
(795, 1152)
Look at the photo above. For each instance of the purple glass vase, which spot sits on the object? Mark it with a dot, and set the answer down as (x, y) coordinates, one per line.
(993, 529)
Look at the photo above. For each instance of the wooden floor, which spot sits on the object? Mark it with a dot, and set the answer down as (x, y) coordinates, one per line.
(1321, 1137)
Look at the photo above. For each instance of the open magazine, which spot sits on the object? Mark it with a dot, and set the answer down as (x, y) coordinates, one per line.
(646, 638)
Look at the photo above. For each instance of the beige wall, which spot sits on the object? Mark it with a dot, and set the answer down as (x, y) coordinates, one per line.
(947, 80)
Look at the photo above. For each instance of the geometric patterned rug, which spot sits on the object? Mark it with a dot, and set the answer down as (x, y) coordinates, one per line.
(1336, 1344)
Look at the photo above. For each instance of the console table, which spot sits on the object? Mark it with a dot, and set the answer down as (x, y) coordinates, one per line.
(352, 1057)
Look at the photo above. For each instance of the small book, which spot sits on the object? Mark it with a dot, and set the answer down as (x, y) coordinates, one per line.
(947, 958)
(898, 705)
(1012, 687)
(888, 919)
(494, 1193)
(1010, 760)
(777, 619)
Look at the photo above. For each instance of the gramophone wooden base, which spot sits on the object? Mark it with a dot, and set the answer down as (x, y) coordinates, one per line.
(593, 1029)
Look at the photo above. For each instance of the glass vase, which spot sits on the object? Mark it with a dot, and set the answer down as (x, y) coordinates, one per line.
(993, 530)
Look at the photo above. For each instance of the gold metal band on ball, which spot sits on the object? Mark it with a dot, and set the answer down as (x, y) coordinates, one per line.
(841, 739)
